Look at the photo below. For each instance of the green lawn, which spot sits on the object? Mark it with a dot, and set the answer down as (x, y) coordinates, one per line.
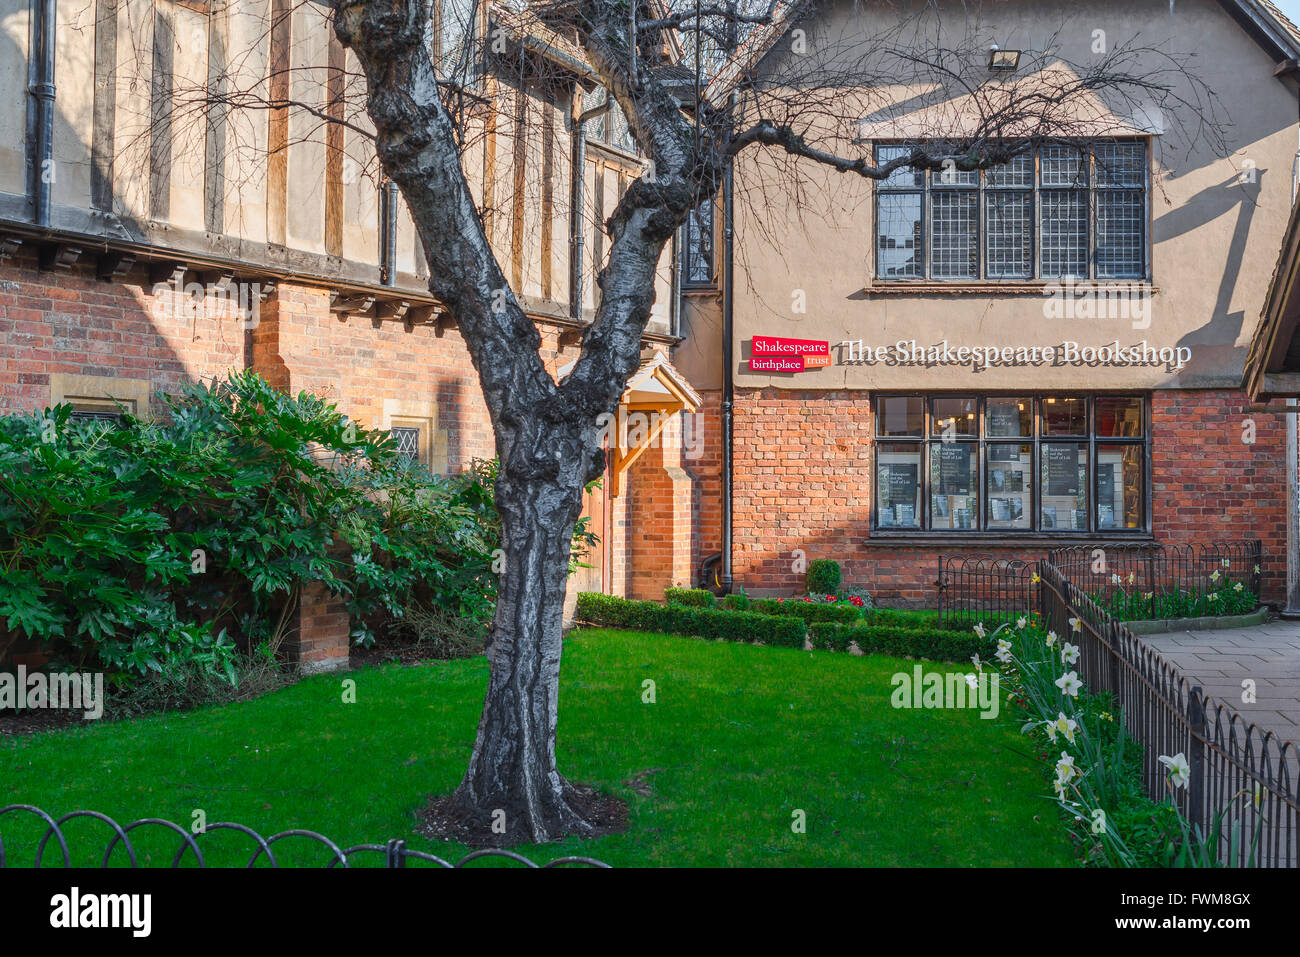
(739, 738)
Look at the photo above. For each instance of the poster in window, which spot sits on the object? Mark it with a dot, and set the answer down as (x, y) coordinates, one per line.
(954, 468)
(1062, 469)
(1004, 419)
(1004, 453)
(898, 482)
(1049, 516)
(1106, 482)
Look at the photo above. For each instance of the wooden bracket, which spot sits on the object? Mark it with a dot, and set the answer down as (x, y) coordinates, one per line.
(58, 256)
(113, 264)
(170, 273)
(344, 306)
(9, 247)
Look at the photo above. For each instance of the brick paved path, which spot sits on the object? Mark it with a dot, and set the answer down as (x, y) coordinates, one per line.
(1220, 660)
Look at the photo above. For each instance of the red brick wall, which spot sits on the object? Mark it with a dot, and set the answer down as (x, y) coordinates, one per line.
(658, 537)
(66, 320)
(1209, 485)
(803, 481)
(702, 459)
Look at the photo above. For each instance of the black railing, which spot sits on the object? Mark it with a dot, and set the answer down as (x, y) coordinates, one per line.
(985, 590)
(1242, 778)
(394, 853)
(1162, 581)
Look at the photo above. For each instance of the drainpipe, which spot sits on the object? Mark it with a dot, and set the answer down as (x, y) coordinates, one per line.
(41, 121)
(388, 211)
(1292, 609)
(728, 386)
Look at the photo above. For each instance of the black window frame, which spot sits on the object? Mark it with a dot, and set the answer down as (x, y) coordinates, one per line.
(925, 184)
(697, 243)
(1039, 437)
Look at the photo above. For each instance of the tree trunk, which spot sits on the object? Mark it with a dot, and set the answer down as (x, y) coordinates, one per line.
(513, 791)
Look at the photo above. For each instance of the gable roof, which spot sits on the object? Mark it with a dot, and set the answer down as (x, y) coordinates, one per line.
(1261, 19)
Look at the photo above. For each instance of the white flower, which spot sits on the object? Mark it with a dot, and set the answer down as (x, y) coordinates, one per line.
(1065, 769)
(1069, 684)
(1069, 653)
(1132, 577)
(1226, 563)
(975, 660)
(1003, 654)
(1237, 587)
(972, 681)
(1059, 788)
(1051, 731)
(1076, 624)
(1051, 639)
(1180, 772)
(1066, 726)
(1115, 579)
(979, 628)
(1214, 576)
(1256, 569)
(1212, 596)
(1147, 596)
(1022, 621)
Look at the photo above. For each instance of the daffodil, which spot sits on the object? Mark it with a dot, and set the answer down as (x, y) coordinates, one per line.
(1036, 578)
(1256, 569)
(1051, 639)
(1226, 563)
(1066, 726)
(1115, 579)
(1180, 772)
(1065, 769)
(1147, 596)
(1106, 716)
(1051, 731)
(1069, 653)
(1132, 577)
(1237, 587)
(1003, 654)
(1069, 684)
(979, 628)
(1214, 575)
(972, 681)
(1022, 621)
(975, 660)
(1076, 624)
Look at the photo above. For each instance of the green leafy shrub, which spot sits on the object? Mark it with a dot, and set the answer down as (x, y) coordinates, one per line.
(822, 577)
(169, 545)
(809, 611)
(610, 611)
(737, 601)
(694, 597)
(1222, 596)
(933, 644)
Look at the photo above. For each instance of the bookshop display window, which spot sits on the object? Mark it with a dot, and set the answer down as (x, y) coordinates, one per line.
(1006, 465)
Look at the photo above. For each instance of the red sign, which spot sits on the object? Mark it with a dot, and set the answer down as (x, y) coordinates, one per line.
(773, 354)
(779, 364)
(773, 346)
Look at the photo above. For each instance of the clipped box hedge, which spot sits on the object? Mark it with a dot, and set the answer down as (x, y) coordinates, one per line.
(936, 644)
(610, 611)
(809, 611)
(693, 597)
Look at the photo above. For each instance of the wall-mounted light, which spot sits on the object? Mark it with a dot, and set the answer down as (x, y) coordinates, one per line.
(1000, 60)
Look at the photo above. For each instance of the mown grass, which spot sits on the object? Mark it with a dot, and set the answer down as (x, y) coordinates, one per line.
(738, 739)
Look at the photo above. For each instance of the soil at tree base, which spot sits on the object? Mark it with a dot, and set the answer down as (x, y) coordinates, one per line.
(442, 820)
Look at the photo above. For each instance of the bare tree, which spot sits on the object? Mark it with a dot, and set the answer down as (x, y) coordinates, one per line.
(698, 83)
